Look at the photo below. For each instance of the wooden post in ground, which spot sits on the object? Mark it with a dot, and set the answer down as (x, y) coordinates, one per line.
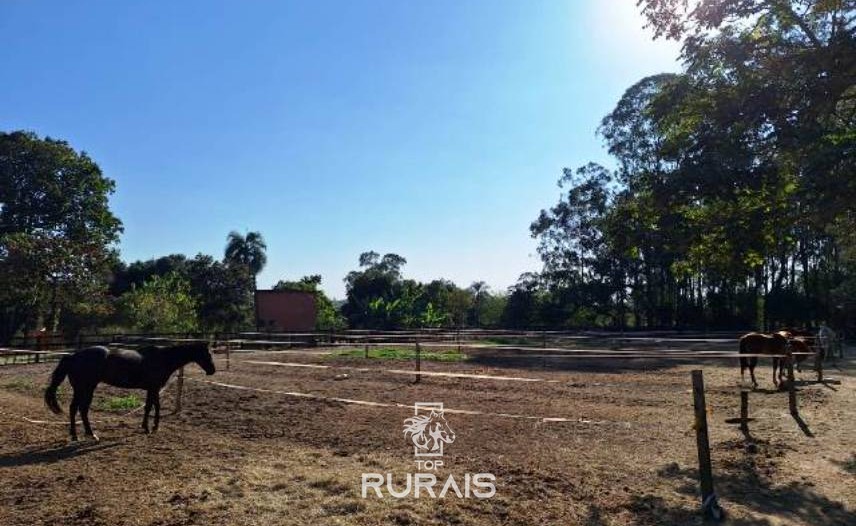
(709, 505)
(179, 390)
(543, 340)
(744, 409)
(792, 388)
(818, 363)
(418, 363)
(367, 351)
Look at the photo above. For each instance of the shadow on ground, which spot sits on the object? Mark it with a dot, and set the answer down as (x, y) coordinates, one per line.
(579, 364)
(52, 453)
(745, 480)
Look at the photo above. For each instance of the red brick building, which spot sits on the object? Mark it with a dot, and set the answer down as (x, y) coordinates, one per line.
(285, 310)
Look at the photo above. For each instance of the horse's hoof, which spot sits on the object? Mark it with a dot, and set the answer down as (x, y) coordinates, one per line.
(93, 437)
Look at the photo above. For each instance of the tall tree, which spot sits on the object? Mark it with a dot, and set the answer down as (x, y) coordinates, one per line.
(478, 289)
(377, 297)
(733, 177)
(249, 250)
(57, 232)
(223, 293)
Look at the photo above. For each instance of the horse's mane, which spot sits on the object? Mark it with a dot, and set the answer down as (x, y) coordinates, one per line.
(416, 425)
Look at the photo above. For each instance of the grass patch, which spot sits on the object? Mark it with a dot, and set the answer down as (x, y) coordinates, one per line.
(393, 353)
(119, 403)
(19, 384)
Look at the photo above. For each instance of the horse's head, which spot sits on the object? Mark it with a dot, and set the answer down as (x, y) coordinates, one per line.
(427, 431)
(201, 356)
(440, 430)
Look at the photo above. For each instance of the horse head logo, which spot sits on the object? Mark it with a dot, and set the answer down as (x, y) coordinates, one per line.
(429, 431)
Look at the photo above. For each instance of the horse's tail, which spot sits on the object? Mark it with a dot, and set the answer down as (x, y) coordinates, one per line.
(744, 349)
(57, 378)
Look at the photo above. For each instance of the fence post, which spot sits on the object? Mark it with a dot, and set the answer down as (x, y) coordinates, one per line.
(709, 505)
(180, 390)
(367, 350)
(744, 409)
(418, 363)
(818, 363)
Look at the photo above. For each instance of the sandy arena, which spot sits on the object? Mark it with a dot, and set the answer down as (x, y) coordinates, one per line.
(581, 441)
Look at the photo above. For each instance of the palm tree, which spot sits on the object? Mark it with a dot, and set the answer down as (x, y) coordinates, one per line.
(478, 288)
(246, 250)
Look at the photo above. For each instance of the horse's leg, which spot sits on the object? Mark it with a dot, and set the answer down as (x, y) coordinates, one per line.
(742, 370)
(85, 402)
(147, 410)
(776, 378)
(752, 363)
(157, 410)
(72, 413)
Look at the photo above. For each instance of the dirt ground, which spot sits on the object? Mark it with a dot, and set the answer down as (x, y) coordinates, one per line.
(273, 442)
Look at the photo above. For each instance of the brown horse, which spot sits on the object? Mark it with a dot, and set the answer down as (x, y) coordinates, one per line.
(802, 342)
(757, 343)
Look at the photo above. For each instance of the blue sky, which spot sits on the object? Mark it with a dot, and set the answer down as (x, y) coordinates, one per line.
(433, 129)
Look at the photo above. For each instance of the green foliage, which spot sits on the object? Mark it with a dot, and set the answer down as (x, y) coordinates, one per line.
(56, 232)
(432, 317)
(222, 294)
(249, 251)
(126, 276)
(161, 304)
(490, 308)
(119, 403)
(379, 297)
(393, 353)
(728, 178)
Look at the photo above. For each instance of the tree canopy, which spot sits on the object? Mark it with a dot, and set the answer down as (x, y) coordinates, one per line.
(733, 179)
(57, 233)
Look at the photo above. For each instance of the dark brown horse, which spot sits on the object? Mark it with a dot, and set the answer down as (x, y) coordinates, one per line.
(147, 368)
(757, 343)
(802, 342)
